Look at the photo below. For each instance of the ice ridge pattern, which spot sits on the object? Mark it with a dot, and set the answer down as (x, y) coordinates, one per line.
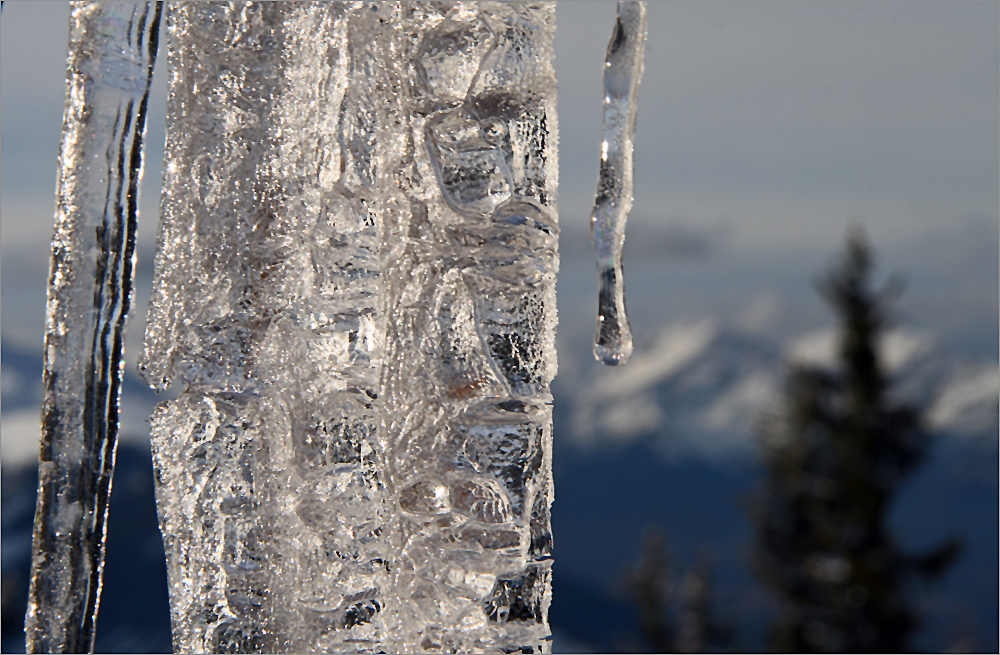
(354, 299)
(112, 49)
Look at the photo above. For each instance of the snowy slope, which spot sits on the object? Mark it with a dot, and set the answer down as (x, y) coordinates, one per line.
(700, 388)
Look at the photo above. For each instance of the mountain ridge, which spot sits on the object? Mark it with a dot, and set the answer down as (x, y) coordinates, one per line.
(701, 388)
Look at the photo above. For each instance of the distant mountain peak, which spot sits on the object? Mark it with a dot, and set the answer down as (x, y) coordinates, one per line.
(675, 346)
(701, 388)
(897, 348)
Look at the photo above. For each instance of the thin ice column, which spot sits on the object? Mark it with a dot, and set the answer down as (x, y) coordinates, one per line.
(112, 48)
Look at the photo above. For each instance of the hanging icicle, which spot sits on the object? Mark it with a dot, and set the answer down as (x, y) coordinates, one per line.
(112, 48)
(355, 298)
(622, 72)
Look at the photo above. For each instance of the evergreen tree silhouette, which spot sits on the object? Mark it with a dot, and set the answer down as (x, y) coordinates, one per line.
(835, 454)
(674, 617)
(647, 583)
(699, 629)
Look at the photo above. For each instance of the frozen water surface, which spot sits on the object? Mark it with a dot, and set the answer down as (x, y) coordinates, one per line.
(355, 300)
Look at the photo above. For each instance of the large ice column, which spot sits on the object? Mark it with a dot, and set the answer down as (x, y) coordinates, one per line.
(205, 319)
(466, 436)
(112, 48)
(264, 316)
(355, 297)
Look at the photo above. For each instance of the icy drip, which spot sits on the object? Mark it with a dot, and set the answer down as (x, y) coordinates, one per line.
(112, 48)
(622, 72)
(355, 292)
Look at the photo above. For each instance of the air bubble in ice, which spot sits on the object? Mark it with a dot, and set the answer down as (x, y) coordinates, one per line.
(424, 498)
(468, 169)
(481, 501)
(450, 56)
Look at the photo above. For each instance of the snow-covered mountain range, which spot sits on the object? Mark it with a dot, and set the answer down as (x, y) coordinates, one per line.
(701, 388)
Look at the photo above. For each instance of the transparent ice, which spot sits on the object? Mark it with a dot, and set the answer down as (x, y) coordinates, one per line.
(622, 72)
(112, 47)
(354, 304)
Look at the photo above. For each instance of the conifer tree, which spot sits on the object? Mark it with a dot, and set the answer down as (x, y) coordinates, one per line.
(835, 454)
(674, 617)
(647, 583)
(699, 629)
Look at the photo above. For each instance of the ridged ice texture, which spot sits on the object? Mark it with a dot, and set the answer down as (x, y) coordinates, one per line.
(355, 294)
(470, 338)
(112, 48)
(265, 313)
(622, 72)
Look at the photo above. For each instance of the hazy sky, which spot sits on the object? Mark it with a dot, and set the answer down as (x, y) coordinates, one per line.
(764, 125)
(783, 120)
(787, 119)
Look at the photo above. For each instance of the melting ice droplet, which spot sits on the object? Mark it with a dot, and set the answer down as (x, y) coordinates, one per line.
(622, 72)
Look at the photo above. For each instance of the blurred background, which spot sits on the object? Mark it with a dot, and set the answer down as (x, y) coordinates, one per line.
(765, 130)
